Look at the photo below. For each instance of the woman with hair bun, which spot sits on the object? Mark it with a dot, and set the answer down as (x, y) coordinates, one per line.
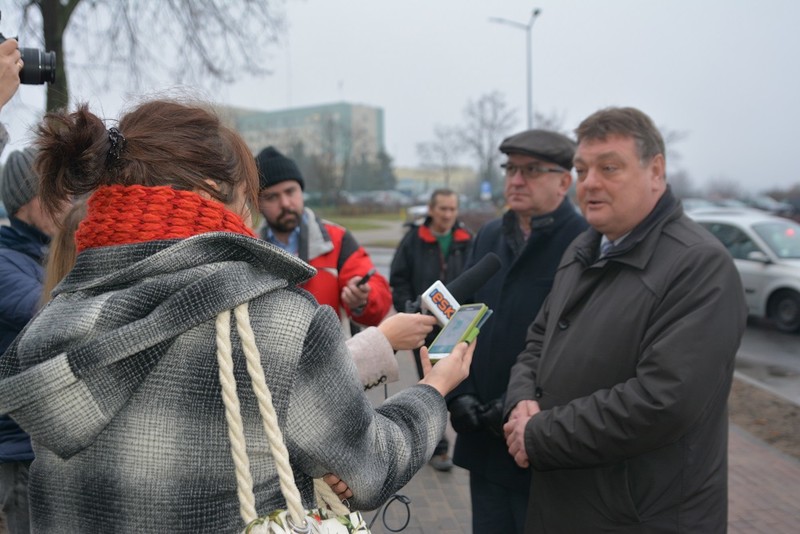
(117, 378)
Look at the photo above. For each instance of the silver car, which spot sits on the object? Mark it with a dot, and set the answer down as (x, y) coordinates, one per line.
(766, 251)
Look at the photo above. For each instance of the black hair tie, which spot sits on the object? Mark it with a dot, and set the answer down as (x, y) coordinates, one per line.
(118, 142)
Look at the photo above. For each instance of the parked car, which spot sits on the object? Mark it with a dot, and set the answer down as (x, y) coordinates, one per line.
(769, 204)
(766, 251)
(695, 203)
(416, 214)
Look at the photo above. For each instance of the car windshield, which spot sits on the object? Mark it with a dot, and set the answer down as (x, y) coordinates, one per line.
(782, 237)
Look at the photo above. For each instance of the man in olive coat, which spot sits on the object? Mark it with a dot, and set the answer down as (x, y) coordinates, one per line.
(619, 401)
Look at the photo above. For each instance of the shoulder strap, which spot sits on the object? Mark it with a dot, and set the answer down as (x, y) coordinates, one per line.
(269, 419)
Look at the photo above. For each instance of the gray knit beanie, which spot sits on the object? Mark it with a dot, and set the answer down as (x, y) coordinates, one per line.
(18, 184)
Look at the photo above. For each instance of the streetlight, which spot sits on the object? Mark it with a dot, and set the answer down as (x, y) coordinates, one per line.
(527, 27)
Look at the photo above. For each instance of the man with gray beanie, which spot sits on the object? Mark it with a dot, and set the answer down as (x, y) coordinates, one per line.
(340, 261)
(23, 246)
(529, 239)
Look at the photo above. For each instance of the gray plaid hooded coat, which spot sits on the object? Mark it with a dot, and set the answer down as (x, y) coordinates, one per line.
(116, 380)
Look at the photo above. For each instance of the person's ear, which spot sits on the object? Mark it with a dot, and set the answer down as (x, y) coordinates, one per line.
(658, 168)
(565, 181)
(204, 193)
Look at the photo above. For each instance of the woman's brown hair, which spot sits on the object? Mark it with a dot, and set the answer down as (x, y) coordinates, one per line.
(63, 252)
(161, 142)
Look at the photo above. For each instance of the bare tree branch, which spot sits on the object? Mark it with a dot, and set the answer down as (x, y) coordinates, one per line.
(140, 41)
(441, 153)
(488, 121)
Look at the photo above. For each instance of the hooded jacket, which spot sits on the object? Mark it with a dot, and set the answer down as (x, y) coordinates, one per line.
(631, 361)
(117, 382)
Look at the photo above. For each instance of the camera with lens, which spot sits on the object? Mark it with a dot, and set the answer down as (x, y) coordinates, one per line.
(38, 66)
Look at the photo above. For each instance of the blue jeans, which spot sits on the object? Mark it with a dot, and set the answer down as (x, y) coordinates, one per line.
(14, 496)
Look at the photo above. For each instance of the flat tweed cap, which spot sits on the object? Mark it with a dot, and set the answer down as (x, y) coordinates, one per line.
(543, 144)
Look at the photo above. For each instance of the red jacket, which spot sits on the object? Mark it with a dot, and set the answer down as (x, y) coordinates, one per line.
(338, 257)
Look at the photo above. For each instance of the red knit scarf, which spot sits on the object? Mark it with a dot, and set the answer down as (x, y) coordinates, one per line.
(118, 215)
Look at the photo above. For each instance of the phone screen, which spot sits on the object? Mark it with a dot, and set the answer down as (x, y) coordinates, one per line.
(455, 329)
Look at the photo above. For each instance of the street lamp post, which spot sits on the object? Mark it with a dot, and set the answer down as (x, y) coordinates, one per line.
(527, 27)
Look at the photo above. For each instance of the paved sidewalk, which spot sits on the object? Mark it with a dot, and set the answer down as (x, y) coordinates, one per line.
(764, 486)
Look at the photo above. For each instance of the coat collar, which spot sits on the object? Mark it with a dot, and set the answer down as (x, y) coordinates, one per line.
(314, 237)
(540, 224)
(636, 249)
(24, 238)
(459, 231)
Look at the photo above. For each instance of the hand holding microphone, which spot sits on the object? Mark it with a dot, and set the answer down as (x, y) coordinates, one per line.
(462, 288)
(406, 331)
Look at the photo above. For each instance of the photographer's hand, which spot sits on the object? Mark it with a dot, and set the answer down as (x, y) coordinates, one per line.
(10, 65)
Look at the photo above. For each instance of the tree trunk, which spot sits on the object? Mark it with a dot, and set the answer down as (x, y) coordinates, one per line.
(55, 17)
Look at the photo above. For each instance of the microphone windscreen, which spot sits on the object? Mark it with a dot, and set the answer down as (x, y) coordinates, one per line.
(464, 286)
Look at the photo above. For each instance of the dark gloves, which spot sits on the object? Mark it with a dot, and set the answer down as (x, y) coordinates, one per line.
(490, 416)
(469, 414)
(464, 411)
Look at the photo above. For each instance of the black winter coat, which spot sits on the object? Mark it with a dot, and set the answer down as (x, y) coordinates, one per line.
(418, 262)
(514, 294)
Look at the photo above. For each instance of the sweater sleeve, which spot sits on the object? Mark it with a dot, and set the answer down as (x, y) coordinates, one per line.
(333, 428)
(374, 357)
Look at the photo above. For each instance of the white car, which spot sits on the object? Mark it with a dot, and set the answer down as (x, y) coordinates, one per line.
(766, 251)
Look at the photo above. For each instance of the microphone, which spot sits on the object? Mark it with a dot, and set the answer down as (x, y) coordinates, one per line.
(442, 300)
(470, 281)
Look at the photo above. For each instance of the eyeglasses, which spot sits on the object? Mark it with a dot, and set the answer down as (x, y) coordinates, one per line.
(529, 171)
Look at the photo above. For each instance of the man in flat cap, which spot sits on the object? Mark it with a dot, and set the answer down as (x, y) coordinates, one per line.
(529, 239)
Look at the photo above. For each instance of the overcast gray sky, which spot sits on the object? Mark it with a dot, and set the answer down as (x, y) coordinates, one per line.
(723, 71)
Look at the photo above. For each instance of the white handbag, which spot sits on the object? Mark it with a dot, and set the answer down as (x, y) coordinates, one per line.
(331, 516)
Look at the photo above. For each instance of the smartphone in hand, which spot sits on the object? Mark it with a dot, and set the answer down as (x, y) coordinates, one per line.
(464, 325)
(366, 277)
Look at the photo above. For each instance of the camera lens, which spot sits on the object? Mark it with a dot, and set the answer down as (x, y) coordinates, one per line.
(39, 66)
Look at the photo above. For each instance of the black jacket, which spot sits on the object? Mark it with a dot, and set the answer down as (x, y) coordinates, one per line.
(514, 294)
(418, 262)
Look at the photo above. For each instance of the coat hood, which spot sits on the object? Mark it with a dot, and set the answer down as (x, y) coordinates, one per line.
(117, 312)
